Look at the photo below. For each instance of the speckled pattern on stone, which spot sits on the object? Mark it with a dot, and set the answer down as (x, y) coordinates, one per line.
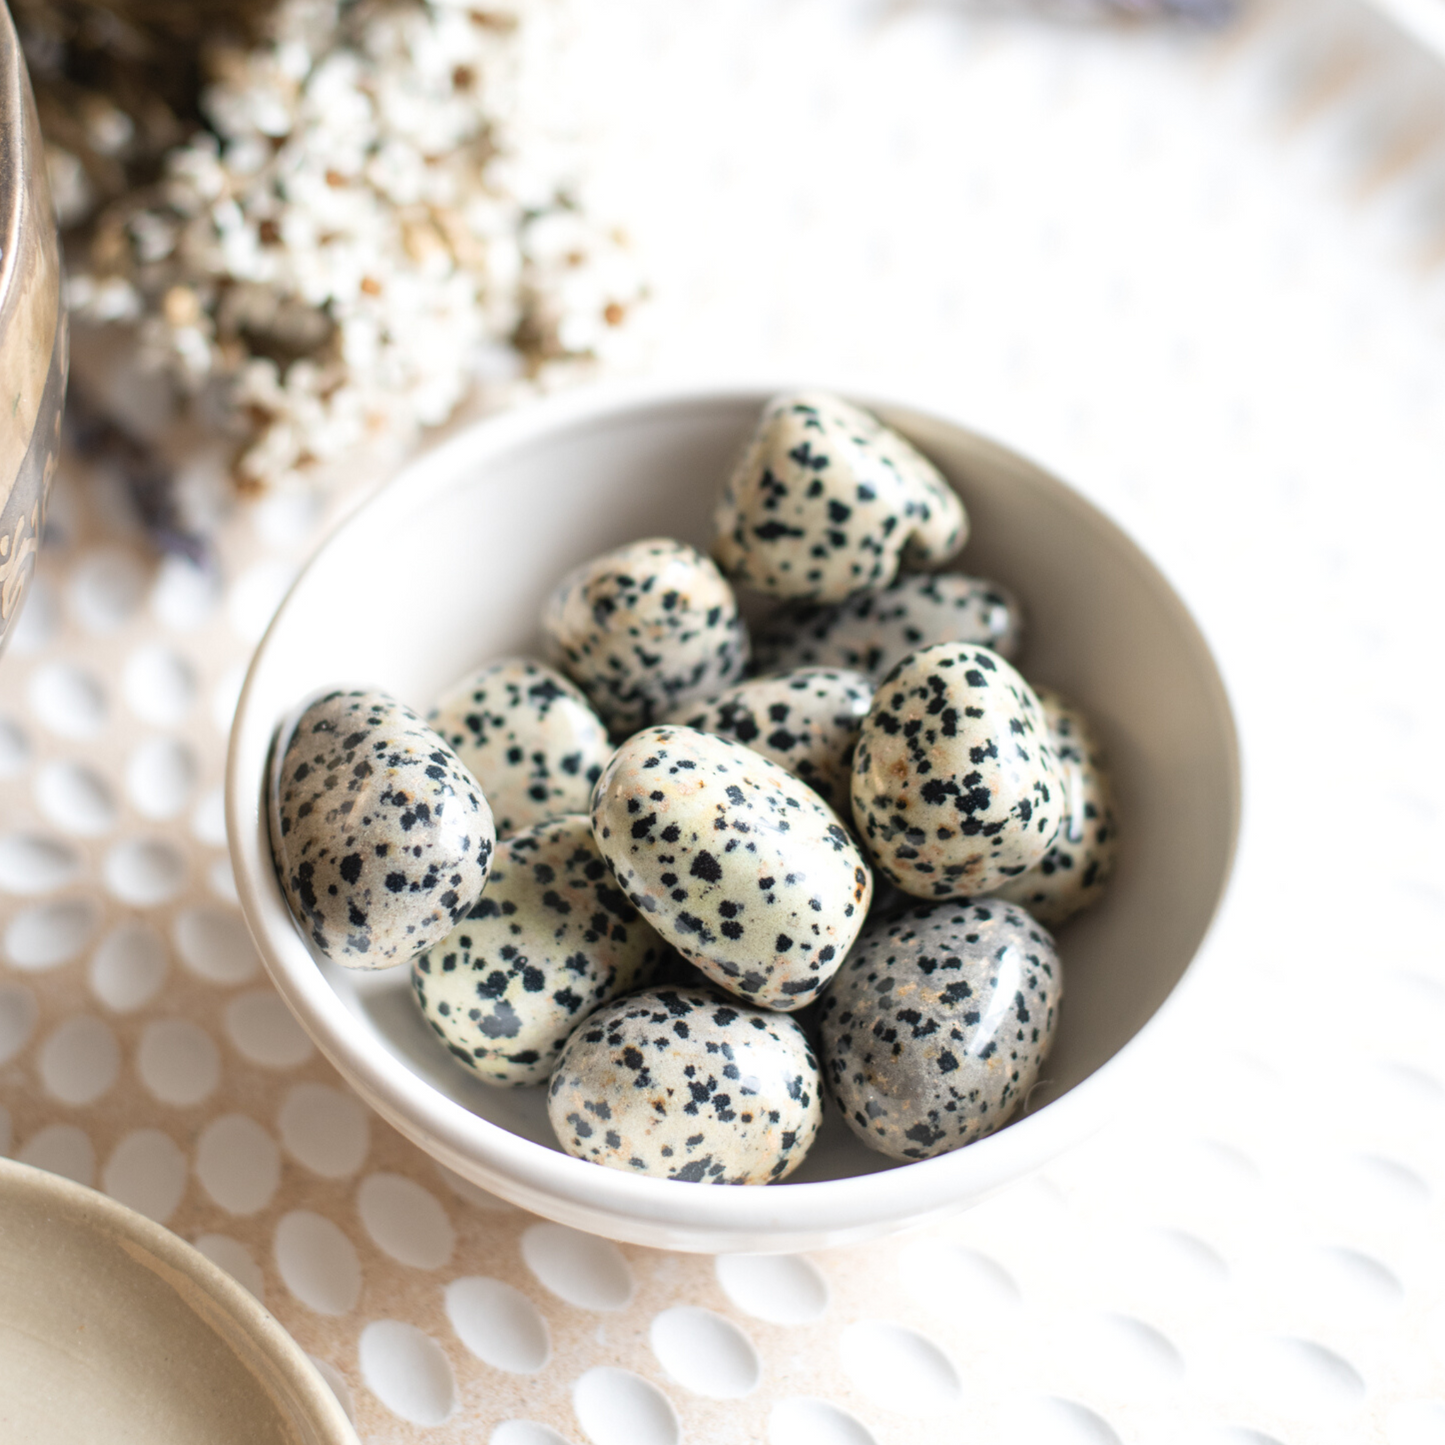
(805, 721)
(955, 786)
(686, 1084)
(875, 631)
(738, 865)
(385, 838)
(529, 738)
(645, 628)
(551, 938)
(934, 1030)
(1072, 874)
(827, 501)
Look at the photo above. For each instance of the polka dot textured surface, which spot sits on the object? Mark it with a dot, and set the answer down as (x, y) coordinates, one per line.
(1142, 257)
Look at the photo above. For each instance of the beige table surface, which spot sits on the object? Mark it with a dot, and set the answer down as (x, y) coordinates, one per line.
(1201, 278)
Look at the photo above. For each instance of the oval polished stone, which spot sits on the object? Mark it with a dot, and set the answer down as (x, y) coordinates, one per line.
(956, 788)
(382, 840)
(827, 501)
(645, 628)
(874, 631)
(1072, 874)
(528, 737)
(551, 938)
(738, 865)
(805, 721)
(685, 1084)
(935, 1028)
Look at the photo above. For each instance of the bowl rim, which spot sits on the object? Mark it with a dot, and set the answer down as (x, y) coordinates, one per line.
(533, 1175)
(293, 1379)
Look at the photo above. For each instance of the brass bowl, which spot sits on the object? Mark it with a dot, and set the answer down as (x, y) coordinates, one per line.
(34, 339)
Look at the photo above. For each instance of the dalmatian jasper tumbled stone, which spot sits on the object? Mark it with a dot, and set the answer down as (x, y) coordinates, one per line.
(685, 1084)
(528, 737)
(935, 1029)
(827, 501)
(875, 631)
(956, 788)
(1072, 874)
(805, 721)
(738, 865)
(551, 938)
(382, 840)
(644, 629)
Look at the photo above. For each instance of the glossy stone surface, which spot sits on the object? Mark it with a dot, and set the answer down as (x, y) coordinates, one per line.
(686, 1084)
(551, 938)
(874, 631)
(934, 1030)
(805, 721)
(738, 865)
(644, 629)
(528, 736)
(827, 501)
(1072, 874)
(384, 838)
(956, 788)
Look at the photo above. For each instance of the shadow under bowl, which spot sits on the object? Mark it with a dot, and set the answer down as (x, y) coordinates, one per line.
(447, 566)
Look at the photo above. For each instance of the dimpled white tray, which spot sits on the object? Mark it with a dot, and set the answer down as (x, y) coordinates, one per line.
(1198, 277)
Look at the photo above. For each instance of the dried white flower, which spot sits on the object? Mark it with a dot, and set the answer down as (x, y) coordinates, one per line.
(369, 223)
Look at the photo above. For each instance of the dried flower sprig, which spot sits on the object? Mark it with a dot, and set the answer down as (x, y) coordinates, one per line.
(364, 220)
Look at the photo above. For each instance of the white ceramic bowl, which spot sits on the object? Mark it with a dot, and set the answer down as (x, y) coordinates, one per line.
(447, 566)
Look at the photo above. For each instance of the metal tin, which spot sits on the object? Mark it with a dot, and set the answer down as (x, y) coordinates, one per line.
(34, 347)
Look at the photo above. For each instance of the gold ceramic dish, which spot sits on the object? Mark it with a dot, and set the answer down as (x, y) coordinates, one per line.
(113, 1329)
(33, 334)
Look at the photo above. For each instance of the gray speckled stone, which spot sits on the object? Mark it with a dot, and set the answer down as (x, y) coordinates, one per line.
(805, 721)
(956, 788)
(684, 1084)
(644, 629)
(528, 737)
(385, 839)
(935, 1028)
(827, 501)
(1072, 874)
(738, 865)
(875, 631)
(551, 938)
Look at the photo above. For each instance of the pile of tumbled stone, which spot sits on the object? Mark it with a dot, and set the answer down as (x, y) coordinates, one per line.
(724, 854)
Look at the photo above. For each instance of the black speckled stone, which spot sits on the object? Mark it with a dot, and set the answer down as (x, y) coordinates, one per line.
(1072, 874)
(827, 501)
(644, 629)
(805, 721)
(551, 938)
(384, 837)
(529, 738)
(956, 788)
(874, 631)
(934, 1030)
(738, 865)
(683, 1083)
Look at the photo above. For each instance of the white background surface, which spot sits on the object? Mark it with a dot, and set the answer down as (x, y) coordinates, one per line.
(1199, 277)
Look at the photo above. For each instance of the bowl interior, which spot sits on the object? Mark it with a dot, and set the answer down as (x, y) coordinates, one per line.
(113, 1329)
(448, 567)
